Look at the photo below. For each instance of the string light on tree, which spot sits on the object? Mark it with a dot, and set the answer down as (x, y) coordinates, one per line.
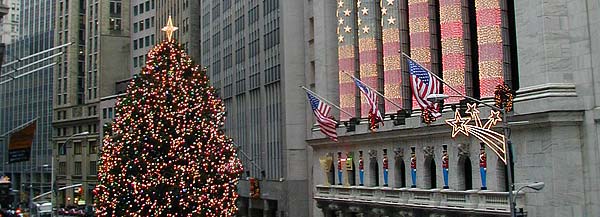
(165, 154)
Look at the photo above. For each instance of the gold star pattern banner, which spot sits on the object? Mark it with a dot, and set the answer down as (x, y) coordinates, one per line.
(347, 33)
(494, 140)
(370, 56)
(392, 59)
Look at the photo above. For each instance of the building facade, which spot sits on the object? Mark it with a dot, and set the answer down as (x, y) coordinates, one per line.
(254, 54)
(143, 32)
(10, 22)
(89, 70)
(186, 16)
(544, 50)
(26, 95)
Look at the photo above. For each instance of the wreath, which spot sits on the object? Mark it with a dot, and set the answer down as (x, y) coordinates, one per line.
(503, 97)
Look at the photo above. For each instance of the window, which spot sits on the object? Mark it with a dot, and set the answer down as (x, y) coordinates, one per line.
(77, 169)
(62, 148)
(147, 5)
(147, 41)
(77, 148)
(93, 147)
(152, 39)
(135, 45)
(62, 168)
(147, 22)
(104, 113)
(115, 9)
(135, 27)
(141, 8)
(152, 4)
(110, 112)
(135, 10)
(135, 61)
(115, 24)
(93, 168)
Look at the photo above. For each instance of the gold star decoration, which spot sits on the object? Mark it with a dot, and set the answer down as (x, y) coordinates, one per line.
(169, 29)
(365, 29)
(472, 109)
(383, 11)
(390, 2)
(495, 117)
(341, 38)
(365, 11)
(347, 12)
(340, 4)
(347, 29)
(459, 124)
(391, 20)
(341, 21)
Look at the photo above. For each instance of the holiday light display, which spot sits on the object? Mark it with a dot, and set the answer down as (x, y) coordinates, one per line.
(369, 34)
(347, 53)
(494, 140)
(420, 36)
(392, 59)
(489, 40)
(166, 154)
(504, 97)
(453, 49)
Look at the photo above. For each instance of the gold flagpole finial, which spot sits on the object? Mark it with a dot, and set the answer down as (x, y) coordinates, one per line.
(169, 29)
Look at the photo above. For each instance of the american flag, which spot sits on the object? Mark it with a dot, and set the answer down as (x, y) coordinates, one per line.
(321, 111)
(372, 98)
(423, 84)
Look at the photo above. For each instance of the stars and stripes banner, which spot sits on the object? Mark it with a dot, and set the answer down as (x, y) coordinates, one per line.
(347, 54)
(374, 113)
(424, 84)
(325, 122)
(369, 35)
(392, 60)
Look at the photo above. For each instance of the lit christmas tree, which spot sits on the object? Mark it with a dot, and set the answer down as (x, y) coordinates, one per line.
(165, 154)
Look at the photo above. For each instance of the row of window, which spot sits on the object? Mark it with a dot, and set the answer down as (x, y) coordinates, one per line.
(143, 24)
(78, 148)
(143, 7)
(107, 113)
(143, 42)
(139, 61)
(93, 168)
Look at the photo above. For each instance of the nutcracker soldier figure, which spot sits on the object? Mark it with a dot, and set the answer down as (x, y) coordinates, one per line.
(445, 165)
(340, 168)
(385, 168)
(483, 166)
(413, 167)
(361, 168)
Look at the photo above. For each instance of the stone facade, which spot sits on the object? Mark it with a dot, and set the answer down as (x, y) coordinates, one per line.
(554, 131)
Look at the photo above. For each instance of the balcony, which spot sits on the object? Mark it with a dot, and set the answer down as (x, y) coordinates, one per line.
(444, 200)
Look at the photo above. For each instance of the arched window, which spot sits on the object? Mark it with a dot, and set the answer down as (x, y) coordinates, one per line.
(399, 173)
(464, 173)
(502, 175)
(373, 173)
(331, 174)
(430, 174)
(352, 173)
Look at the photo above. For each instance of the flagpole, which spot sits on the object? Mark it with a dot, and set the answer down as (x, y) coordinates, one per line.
(377, 92)
(327, 101)
(434, 75)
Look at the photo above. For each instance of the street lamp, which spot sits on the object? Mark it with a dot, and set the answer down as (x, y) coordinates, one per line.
(537, 186)
(53, 177)
(441, 97)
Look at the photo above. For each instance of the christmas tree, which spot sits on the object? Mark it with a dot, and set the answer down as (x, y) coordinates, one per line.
(165, 154)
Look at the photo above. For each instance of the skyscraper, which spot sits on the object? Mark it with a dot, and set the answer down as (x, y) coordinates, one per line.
(10, 23)
(90, 69)
(143, 31)
(186, 16)
(26, 95)
(254, 54)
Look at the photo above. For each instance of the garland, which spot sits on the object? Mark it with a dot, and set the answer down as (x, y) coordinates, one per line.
(503, 97)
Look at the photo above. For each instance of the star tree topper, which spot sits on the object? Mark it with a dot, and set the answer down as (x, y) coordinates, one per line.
(169, 29)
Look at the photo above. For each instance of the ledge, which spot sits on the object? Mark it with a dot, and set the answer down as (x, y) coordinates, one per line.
(471, 201)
